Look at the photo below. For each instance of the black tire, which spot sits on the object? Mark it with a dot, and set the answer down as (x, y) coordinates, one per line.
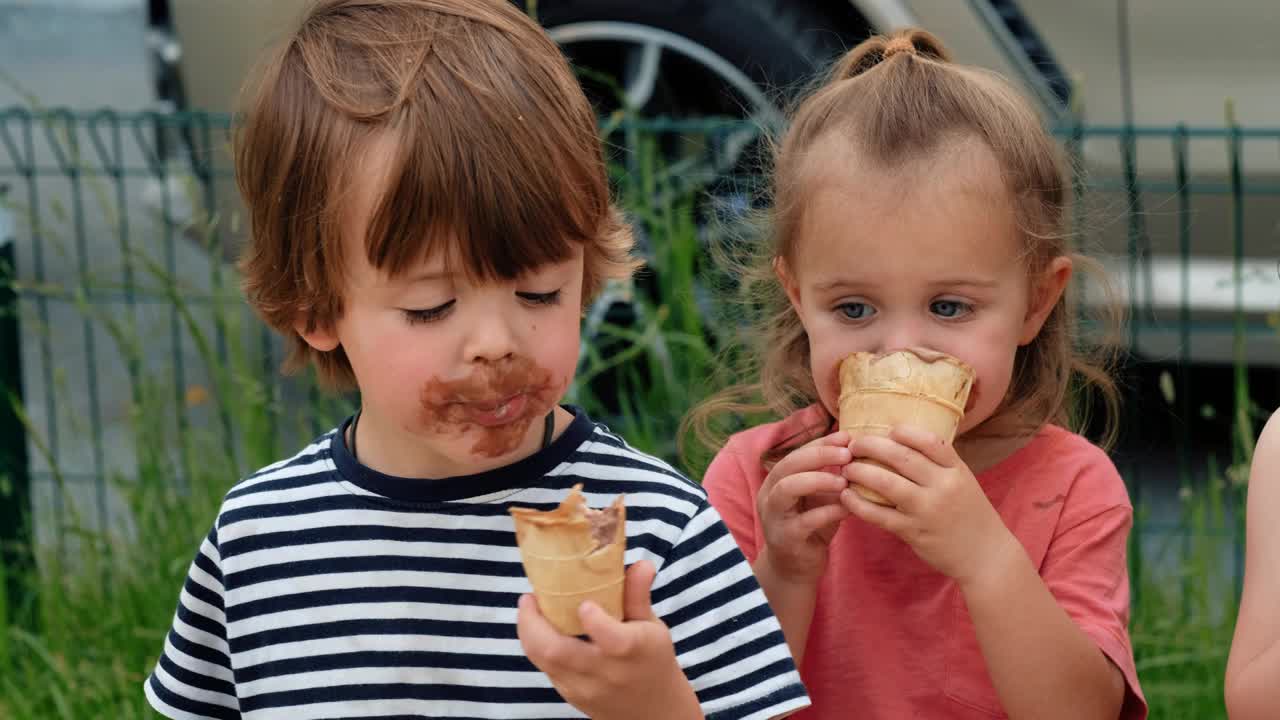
(779, 44)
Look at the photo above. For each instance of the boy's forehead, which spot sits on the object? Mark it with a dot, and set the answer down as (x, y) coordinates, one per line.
(363, 183)
(433, 270)
(408, 206)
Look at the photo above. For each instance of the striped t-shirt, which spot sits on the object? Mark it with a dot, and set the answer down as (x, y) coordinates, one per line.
(328, 590)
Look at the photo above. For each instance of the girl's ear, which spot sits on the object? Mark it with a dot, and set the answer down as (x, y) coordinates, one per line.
(1046, 290)
(783, 272)
(322, 339)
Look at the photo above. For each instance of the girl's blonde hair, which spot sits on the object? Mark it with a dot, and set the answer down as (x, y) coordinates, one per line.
(895, 99)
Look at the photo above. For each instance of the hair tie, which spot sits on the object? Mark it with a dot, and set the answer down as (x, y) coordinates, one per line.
(900, 44)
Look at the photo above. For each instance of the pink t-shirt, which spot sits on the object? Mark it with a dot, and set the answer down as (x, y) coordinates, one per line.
(891, 638)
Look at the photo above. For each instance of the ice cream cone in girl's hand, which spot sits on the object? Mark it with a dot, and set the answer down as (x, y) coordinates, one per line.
(921, 388)
(572, 554)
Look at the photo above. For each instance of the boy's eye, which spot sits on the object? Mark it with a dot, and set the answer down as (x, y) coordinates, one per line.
(551, 298)
(950, 308)
(855, 310)
(416, 317)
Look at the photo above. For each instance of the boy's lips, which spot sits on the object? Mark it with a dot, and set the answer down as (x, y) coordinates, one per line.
(490, 413)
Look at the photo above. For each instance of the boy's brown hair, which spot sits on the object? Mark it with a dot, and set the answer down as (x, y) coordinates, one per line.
(895, 99)
(497, 163)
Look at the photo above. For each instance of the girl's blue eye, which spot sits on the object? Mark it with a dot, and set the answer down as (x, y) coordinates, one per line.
(950, 308)
(855, 310)
(551, 298)
(417, 317)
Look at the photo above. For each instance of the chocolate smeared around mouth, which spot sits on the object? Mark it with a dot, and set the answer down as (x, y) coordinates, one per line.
(476, 403)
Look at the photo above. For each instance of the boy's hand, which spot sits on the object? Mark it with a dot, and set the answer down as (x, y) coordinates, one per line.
(627, 669)
(800, 510)
(940, 509)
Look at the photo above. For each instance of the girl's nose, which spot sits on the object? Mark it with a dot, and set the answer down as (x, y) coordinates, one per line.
(901, 336)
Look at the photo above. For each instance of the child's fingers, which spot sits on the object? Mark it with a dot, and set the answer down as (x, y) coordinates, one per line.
(611, 637)
(635, 594)
(533, 629)
(885, 518)
(905, 461)
(839, 437)
(820, 518)
(895, 488)
(783, 496)
(549, 650)
(808, 458)
(927, 444)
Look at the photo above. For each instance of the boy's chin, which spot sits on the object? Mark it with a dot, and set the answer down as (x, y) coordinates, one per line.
(502, 443)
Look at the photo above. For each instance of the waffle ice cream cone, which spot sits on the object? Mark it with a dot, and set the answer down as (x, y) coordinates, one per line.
(924, 389)
(572, 554)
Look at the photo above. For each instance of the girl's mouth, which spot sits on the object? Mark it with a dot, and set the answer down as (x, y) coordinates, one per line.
(497, 413)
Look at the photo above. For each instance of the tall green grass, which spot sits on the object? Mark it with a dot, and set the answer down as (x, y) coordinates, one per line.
(87, 623)
(1181, 626)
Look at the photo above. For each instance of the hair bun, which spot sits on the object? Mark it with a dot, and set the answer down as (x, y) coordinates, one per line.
(898, 44)
(880, 48)
(926, 44)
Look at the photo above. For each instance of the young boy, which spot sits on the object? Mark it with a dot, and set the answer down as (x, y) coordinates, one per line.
(430, 216)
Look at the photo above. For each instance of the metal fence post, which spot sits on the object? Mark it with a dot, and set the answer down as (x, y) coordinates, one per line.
(15, 478)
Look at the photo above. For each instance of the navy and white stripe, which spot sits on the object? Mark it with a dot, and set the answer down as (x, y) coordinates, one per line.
(328, 590)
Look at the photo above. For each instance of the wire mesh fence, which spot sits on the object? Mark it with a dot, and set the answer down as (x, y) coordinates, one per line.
(121, 319)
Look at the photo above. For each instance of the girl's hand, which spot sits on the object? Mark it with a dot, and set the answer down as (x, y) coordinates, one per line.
(800, 510)
(940, 509)
(627, 669)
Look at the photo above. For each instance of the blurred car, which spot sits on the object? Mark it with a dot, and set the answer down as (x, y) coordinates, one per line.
(1112, 63)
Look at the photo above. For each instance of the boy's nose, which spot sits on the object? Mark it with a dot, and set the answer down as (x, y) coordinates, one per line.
(490, 338)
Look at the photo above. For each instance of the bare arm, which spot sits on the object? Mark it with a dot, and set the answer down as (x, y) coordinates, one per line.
(1041, 663)
(1251, 687)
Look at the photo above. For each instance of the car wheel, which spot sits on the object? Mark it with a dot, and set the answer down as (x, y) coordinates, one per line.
(690, 58)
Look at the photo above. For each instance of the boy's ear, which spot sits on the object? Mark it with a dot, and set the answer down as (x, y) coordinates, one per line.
(322, 339)
(1046, 290)
(788, 282)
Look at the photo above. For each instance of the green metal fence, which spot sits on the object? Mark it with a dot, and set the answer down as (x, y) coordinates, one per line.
(1193, 214)
(122, 302)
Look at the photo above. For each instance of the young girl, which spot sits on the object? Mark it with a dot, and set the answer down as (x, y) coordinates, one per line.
(919, 204)
(1252, 693)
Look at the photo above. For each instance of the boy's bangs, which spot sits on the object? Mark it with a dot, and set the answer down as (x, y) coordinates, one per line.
(491, 213)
